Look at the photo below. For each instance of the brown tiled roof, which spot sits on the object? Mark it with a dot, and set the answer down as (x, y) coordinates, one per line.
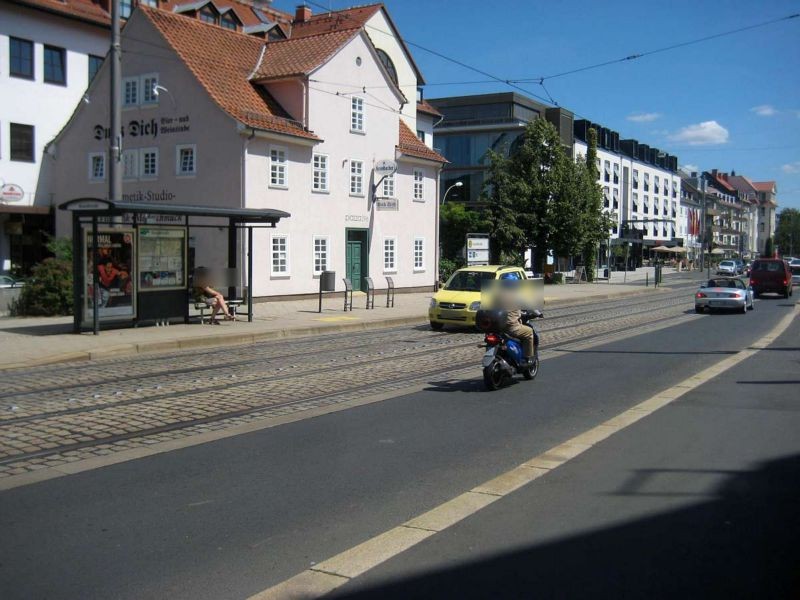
(411, 145)
(764, 186)
(222, 61)
(300, 56)
(84, 10)
(429, 109)
(340, 20)
(245, 11)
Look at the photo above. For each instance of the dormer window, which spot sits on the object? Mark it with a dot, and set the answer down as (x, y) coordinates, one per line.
(228, 21)
(388, 65)
(208, 15)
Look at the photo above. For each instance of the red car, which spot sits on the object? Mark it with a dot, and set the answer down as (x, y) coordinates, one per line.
(770, 275)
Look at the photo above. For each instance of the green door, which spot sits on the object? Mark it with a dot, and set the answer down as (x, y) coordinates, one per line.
(353, 260)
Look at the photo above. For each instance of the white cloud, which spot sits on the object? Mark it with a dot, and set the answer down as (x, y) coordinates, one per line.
(690, 168)
(791, 168)
(764, 110)
(702, 134)
(644, 117)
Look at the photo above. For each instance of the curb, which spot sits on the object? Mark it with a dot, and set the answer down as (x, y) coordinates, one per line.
(242, 339)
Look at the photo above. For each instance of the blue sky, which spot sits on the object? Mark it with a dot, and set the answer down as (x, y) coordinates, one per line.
(731, 103)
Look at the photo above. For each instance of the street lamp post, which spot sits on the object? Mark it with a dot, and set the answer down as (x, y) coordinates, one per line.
(457, 184)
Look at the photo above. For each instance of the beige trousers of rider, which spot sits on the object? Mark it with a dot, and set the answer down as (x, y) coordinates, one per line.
(524, 334)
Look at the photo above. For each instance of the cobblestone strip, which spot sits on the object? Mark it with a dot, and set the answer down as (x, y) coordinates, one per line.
(98, 432)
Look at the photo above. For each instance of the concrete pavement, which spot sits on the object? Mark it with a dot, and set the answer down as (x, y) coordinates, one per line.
(39, 341)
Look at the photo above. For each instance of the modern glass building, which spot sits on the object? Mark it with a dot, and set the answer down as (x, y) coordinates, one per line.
(471, 126)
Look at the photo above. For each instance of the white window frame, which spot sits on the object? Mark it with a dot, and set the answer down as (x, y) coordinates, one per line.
(92, 156)
(133, 154)
(147, 95)
(357, 177)
(179, 172)
(357, 115)
(125, 82)
(282, 165)
(287, 255)
(419, 185)
(419, 267)
(142, 153)
(320, 175)
(315, 253)
(388, 187)
(393, 267)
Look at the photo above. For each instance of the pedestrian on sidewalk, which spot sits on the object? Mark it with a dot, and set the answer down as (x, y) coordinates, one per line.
(213, 299)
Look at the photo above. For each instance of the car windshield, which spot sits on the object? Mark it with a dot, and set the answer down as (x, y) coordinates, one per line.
(796, 270)
(767, 266)
(468, 281)
(722, 283)
(726, 263)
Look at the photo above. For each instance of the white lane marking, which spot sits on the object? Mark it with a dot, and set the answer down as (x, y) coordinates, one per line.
(334, 572)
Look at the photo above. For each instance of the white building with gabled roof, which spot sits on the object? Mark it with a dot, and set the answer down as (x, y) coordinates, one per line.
(215, 116)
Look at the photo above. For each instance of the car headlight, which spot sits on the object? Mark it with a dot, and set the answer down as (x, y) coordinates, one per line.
(475, 306)
(433, 302)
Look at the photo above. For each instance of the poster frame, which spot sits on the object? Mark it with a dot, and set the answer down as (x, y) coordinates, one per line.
(164, 288)
(89, 277)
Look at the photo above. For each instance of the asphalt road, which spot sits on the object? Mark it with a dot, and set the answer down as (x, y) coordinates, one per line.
(230, 518)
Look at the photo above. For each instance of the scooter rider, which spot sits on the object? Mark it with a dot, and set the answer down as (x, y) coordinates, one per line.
(514, 326)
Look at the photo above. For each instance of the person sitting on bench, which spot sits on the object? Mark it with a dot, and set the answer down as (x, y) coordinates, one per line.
(210, 296)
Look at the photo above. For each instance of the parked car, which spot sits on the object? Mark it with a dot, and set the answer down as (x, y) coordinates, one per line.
(460, 298)
(727, 293)
(795, 270)
(771, 275)
(739, 266)
(7, 281)
(727, 267)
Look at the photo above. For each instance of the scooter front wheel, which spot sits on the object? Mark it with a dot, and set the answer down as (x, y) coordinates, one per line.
(531, 371)
(493, 376)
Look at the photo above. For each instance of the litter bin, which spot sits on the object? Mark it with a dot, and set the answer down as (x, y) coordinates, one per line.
(327, 281)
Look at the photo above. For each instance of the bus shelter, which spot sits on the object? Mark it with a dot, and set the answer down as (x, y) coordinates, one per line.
(131, 263)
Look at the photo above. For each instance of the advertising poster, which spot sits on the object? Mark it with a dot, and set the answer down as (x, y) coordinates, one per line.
(162, 258)
(115, 262)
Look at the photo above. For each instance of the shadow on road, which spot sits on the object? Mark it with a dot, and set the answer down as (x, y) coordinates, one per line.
(742, 543)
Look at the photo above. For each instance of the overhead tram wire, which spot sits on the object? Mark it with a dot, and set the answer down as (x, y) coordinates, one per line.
(438, 54)
(638, 55)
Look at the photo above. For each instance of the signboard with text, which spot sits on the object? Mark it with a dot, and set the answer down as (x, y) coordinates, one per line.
(477, 249)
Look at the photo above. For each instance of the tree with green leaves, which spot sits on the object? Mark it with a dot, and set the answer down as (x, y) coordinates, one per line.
(456, 221)
(531, 197)
(596, 223)
(787, 233)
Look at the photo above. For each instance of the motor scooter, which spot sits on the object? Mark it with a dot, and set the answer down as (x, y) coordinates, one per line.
(504, 357)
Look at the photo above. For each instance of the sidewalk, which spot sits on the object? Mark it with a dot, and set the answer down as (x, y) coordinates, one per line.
(45, 340)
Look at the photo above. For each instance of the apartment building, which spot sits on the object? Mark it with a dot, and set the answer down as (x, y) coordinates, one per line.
(641, 191)
(49, 52)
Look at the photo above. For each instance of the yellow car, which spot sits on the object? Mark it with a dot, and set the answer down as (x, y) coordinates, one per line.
(460, 298)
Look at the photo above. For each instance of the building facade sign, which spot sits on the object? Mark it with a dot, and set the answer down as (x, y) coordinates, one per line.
(147, 128)
(11, 193)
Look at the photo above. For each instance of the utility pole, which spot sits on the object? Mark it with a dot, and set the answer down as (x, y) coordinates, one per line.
(115, 137)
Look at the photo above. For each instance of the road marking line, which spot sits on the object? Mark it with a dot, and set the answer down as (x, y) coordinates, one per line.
(359, 559)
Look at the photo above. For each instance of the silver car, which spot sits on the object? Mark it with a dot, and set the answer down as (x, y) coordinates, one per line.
(724, 293)
(794, 267)
(727, 267)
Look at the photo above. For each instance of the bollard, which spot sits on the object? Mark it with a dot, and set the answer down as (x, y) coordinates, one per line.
(647, 280)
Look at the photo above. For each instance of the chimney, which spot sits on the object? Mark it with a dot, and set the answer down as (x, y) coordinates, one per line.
(302, 14)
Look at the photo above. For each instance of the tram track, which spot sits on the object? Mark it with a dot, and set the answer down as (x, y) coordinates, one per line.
(271, 371)
(274, 353)
(405, 379)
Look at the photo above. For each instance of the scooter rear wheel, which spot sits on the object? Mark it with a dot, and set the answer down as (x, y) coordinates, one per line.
(493, 376)
(531, 371)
